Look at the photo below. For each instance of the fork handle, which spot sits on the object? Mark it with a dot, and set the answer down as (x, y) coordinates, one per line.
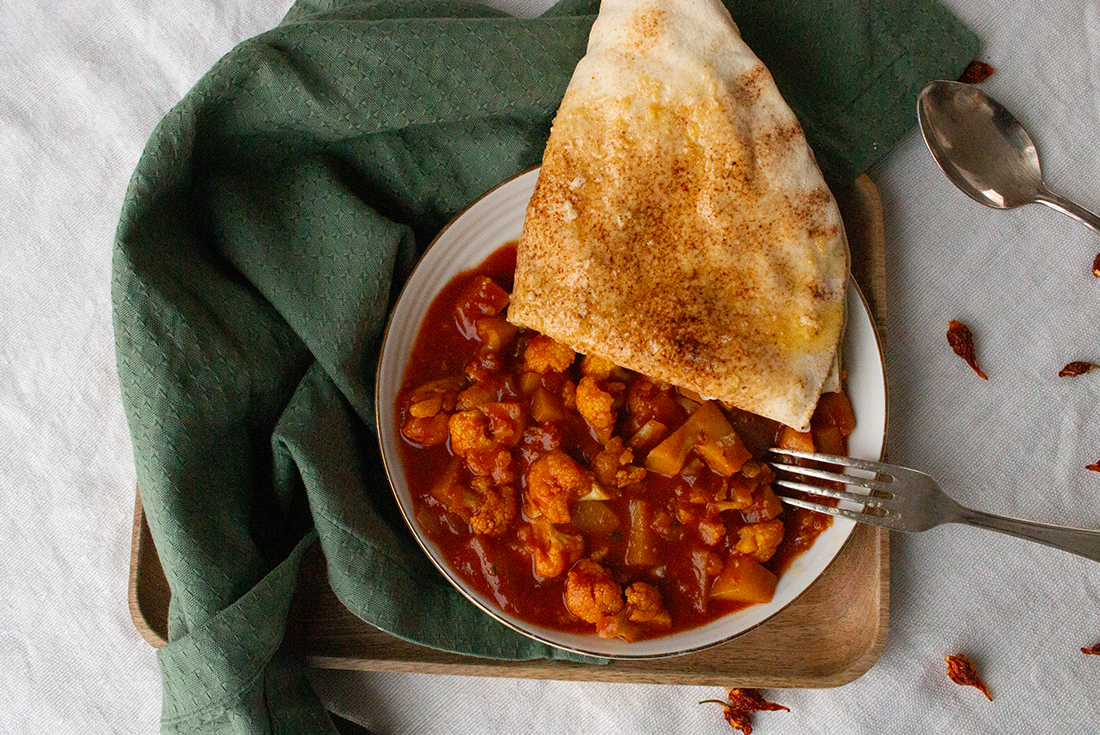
(1074, 540)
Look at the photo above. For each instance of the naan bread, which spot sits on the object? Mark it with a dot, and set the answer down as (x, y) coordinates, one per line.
(680, 226)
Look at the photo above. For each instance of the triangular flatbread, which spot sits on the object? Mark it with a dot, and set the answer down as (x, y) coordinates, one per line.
(680, 226)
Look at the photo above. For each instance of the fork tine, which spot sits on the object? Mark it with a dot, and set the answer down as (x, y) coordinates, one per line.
(851, 515)
(859, 464)
(868, 500)
(867, 482)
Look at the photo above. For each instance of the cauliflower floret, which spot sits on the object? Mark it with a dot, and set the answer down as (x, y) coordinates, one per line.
(711, 531)
(597, 408)
(552, 549)
(486, 427)
(494, 463)
(429, 411)
(591, 592)
(488, 510)
(495, 510)
(433, 396)
(765, 505)
(506, 420)
(740, 491)
(599, 368)
(761, 539)
(544, 354)
(427, 431)
(612, 465)
(685, 512)
(479, 394)
(470, 430)
(554, 482)
(756, 470)
(569, 395)
(644, 601)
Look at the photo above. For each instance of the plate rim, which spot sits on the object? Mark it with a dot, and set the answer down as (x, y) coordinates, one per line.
(494, 613)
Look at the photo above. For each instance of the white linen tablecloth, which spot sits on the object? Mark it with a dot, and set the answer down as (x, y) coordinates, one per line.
(81, 87)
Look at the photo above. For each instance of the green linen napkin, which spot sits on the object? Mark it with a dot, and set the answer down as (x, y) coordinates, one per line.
(271, 219)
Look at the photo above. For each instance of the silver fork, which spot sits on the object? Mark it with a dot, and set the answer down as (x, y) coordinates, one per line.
(902, 499)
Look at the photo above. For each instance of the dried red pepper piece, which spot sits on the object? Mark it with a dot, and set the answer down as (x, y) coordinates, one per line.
(742, 703)
(1094, 467)
(961, 670)
(1095, 650)
(1073, 369)
(1096, 266)
(738, 720)
(962, 342)
(750, 700)
(976, 71)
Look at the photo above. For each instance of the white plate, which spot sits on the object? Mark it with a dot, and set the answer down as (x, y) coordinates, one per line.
(490, 222)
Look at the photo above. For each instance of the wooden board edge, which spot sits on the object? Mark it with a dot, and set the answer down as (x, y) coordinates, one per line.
(150, 625)
(870, 656)
(864, 202)
(865, 660)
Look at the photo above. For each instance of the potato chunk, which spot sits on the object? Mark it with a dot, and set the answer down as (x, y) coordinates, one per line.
(744, 579)
(801, 441)
(709, 433)
(495, 332)
(641, 548)
(482, 298)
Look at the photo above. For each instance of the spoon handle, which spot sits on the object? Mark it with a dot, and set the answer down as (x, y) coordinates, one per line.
(1079, 213)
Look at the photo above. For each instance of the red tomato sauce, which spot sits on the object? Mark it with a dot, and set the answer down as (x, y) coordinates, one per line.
(476, 417)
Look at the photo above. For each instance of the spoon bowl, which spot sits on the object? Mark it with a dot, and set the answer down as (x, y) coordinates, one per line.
(985, 151)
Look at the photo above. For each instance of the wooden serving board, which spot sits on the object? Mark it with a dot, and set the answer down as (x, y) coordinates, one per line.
(833, 633)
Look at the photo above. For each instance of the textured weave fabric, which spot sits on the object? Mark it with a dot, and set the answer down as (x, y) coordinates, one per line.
(273, 212)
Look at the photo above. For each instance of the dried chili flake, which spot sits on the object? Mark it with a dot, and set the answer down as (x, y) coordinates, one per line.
(1094, 467)
(742, 703)
(1096, 266)
(961, 670)
(1072, 370)
(1095, 650)
(738, 720)
(962, 342)
(976, 71)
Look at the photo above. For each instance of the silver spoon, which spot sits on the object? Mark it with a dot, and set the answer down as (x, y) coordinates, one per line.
(985, 151)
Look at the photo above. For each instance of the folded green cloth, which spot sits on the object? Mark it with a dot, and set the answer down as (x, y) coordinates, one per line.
(271, 218)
